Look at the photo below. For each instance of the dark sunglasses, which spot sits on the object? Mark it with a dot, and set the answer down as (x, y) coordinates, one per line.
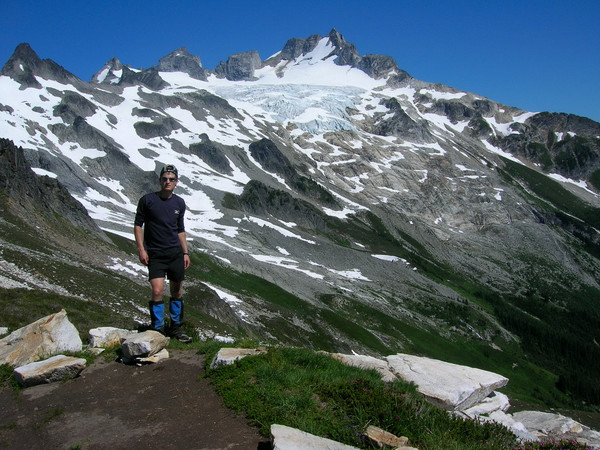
(171, 179)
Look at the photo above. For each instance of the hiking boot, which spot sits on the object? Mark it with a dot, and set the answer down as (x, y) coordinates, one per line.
(177, 332)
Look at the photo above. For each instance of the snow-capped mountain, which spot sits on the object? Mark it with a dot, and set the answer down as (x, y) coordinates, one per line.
(337, 177)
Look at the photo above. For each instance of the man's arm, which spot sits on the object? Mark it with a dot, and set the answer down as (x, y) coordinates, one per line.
(138, 232)
(186, 257)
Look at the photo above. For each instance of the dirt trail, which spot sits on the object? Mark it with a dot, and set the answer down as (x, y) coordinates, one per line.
(116, 406)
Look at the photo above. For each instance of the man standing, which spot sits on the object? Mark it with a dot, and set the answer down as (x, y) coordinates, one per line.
(162, 246)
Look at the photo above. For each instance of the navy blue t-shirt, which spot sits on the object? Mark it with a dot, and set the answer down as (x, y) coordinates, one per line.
(163, 220)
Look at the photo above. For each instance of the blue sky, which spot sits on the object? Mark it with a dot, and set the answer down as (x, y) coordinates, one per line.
(533, 54)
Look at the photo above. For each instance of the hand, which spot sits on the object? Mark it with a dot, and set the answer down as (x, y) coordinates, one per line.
(143, 257)
(186, 261)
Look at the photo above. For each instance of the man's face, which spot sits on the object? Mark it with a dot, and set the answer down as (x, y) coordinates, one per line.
(168, 181)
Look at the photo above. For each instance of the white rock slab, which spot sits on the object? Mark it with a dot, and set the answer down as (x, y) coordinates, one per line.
(287, 438)
(518, 428)
(56, 368)
(106, 337)
(448, 386)
(143, 344)
(548, 423)
(366, 362)
(227, 356)
(49, 336)
(3, 331)
(496, 401)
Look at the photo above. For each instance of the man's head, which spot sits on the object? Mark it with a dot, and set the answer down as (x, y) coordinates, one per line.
(168, 180)
(169, 168)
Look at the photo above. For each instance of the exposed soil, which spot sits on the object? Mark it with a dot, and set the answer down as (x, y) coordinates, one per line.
(116, 406)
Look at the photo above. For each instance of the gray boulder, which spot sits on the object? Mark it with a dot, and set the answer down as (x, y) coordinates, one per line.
(144, 344)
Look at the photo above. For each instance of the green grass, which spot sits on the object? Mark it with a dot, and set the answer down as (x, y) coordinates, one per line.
(312, 392)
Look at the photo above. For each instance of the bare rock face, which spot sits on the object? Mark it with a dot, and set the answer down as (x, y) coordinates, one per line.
(50, 370)
(240, 66)
(182, 61)
(46, 337)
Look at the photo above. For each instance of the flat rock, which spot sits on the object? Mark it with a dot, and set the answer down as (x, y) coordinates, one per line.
(518, 428)
(556, 426)
(227, 356)
(446, 385)
(56, 368)
(385, 438)
(496, 401)
(156, 358)
(143, 344)
(287, 438)
(49, 336)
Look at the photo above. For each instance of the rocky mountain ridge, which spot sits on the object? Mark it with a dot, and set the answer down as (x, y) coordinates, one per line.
(383, 205)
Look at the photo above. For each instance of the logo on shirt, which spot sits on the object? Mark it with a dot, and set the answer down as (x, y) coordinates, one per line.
(176, 212)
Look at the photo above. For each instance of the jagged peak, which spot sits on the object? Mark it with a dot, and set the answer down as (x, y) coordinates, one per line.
(24, 65)
(181, 60)
(25, 53)
(107, 73)
(346, 54)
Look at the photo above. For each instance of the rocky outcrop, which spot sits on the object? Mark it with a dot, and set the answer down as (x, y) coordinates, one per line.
(557, 426)
(346, 54)
(182, 61)
(239, 67)
(40, 199)
(262, 200)
(110, 72)
(48, 336)
(401, 124)
(448, 386)
(559, 143)
(378, 66)
(211, 153)
(464, 391)
(24, 65)
(268, 155)
(296, 47)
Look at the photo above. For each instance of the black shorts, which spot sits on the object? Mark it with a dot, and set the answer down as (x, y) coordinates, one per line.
(167, 262)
